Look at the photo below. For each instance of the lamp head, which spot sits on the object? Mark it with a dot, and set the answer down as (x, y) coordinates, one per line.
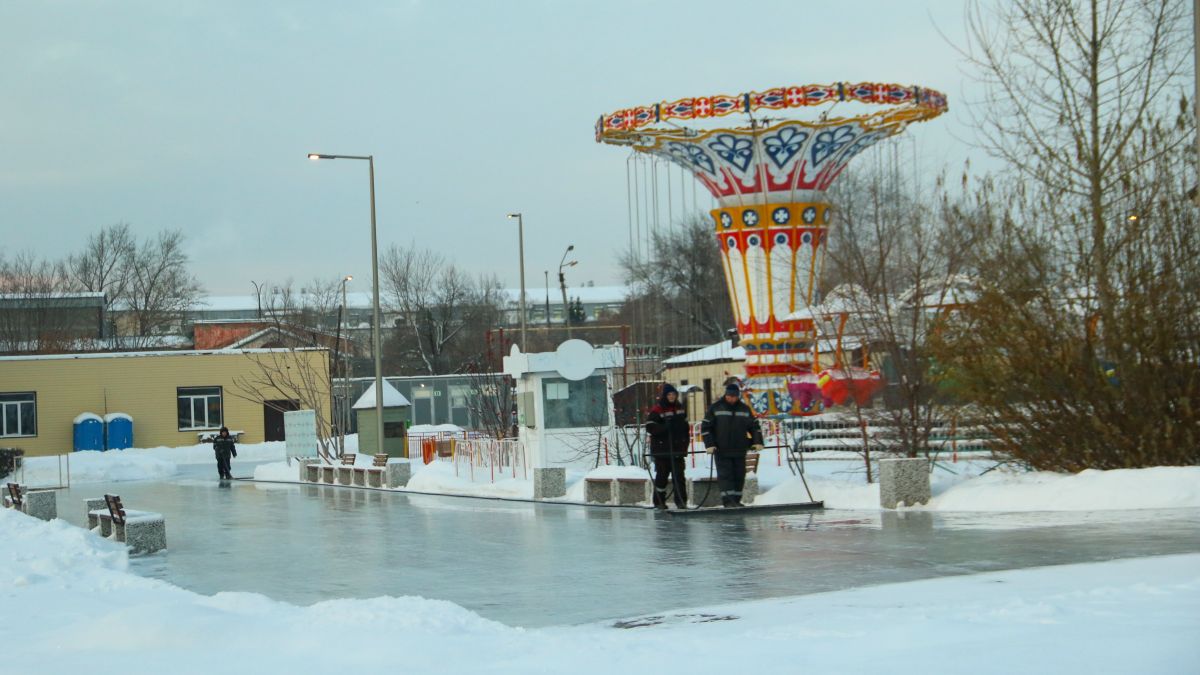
(514, 215)
(571, 247)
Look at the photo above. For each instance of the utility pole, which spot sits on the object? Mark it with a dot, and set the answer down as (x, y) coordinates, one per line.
(562, 283)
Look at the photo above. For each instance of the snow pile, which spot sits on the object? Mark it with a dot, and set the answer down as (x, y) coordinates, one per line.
(93, 616)
(136, 463)
(439, 476)
(436, 429)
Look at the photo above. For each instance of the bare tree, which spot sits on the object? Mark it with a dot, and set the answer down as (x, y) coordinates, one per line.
(444, 312)
(679, 287)
(293, 379)
(907, 269)
(160, 289)
(103, 266)
(34, 314)
(1081, 347)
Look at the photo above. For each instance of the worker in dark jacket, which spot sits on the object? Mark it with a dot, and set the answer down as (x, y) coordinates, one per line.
(729, 430)
(670, 438)
(224, 448)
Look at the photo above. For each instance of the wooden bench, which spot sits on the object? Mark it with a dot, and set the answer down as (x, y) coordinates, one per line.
(751, 462)
(13, 499)
(141, 531)
(372, 476)
(344, 474)
(750, 487)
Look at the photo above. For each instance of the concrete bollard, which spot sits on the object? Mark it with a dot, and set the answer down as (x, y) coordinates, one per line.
(704, 491)
(903, 481)
(345, 475)
(399, 472)
(632, 491)
(750, 489)
(41, 504)
(327, 474)
(549, 483)
(94, 504)
(598, 490)
(144, 533)
(312, 474)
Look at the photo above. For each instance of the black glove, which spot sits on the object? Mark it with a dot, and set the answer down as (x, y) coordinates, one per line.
(234, 453)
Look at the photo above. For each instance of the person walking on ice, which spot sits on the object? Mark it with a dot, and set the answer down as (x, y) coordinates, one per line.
(670, 438)
(224, 448)
(730, 429)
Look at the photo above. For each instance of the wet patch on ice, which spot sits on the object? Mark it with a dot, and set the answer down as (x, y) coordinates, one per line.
(661, 619)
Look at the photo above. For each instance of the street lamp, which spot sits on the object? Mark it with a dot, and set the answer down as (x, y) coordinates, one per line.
(375, 299)
(258, 296)
(343, 410)
(562, 283)
(547, 273)
(521, 244)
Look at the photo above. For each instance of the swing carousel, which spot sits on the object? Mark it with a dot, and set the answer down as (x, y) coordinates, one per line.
(769, 178)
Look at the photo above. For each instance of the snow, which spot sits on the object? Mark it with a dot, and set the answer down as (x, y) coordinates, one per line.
(428, 429)
(117, 416)
(391, 398)
(135, 463)
(86, 417)
(87, 613)
(721, 351)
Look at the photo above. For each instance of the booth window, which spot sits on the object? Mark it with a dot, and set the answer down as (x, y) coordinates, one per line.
(199, 407)
(18, 414)
(572, 404)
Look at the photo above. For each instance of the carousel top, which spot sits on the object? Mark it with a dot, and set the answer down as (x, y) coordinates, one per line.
(635, 126)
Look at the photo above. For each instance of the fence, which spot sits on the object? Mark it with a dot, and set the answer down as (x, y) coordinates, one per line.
(474, 457)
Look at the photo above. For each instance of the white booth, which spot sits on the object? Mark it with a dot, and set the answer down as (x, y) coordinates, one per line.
(564, 401)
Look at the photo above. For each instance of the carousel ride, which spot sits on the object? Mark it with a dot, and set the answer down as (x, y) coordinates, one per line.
(769, 178)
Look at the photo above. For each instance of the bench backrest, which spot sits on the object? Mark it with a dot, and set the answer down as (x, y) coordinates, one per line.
(380, 460)
(14, 492)
(115, 508)
(348, 460)
(751, 462)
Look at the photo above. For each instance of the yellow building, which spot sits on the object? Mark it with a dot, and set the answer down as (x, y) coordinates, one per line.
(174, 397)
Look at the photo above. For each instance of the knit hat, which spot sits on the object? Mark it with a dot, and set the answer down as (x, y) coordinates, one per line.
(732, 389)
(666, 389)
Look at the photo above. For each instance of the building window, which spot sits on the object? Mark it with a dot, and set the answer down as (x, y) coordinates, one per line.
(199, 408)
(460, 405)
(573, 404)
(18, 414)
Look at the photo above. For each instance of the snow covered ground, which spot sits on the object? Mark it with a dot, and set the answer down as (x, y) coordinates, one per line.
(971, 484)
(74, 607)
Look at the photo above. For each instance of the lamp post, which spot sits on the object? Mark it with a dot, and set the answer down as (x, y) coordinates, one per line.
(562, 283)
(343, 414)
(547, 273)
(375, 297)
(258, 298)
(521, 244)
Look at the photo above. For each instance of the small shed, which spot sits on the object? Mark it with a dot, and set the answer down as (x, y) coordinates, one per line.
(396, 410)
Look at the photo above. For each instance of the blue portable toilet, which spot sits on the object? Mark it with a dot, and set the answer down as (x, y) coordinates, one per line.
(118, 431)
(89, 432)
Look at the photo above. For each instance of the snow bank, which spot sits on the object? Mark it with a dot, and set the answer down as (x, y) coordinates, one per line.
(93, 616)
(136, 463)
(438, 476)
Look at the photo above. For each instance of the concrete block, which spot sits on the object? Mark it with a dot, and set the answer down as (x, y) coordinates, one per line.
(399, 472)
(360, 476)
(549, 483)
(903, 481)
(41, 504)
(375, 477)
(327, 474)
(704, 491)
(750, 489)
(311, 472)
(634, 491)
(598, 490)
(94, 504)
(345, 475)
(142, 533)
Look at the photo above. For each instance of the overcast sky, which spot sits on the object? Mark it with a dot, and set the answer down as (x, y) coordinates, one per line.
(198, 115)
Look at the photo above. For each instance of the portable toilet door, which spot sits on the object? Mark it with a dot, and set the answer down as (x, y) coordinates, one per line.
(89, 432)
(118, 431)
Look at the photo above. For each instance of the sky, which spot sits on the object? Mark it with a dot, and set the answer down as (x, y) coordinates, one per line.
(199, 116)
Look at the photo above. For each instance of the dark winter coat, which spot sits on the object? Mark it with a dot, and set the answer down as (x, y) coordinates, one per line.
(670, 433)
(224, 446)
(731, 429)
